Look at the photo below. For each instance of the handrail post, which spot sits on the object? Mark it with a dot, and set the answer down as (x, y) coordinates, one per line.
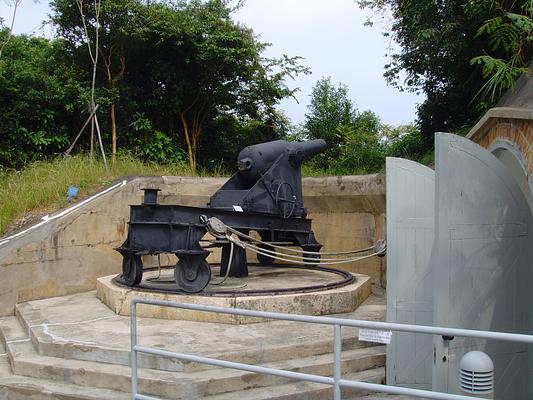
(133, 353)
(337, 349)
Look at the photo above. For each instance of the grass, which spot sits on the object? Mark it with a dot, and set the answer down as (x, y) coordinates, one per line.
(43, 185)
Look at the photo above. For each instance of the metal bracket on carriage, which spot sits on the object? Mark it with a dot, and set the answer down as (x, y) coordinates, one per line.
(220, 230)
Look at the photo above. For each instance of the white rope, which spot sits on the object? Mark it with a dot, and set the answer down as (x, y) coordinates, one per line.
(317, 260)
(273, 253)
(329, 253)
(230, 259)
(220, 230)
(156, 278)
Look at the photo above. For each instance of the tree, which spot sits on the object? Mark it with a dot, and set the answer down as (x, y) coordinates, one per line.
(225, 136)
(109, 24)
(330, 111)
(39, 105)
(363, 152)
(352, 137)
(202, 65)
(15, 4)
(405, 141)
(437, 41)
(172, 70)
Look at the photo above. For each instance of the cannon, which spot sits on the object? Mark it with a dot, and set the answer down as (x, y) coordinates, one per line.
(268, 179)
(264, 195)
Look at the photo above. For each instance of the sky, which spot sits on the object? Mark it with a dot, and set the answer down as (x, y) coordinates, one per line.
(330, 36)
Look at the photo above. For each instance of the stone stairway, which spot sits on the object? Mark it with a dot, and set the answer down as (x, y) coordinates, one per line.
(74, 347)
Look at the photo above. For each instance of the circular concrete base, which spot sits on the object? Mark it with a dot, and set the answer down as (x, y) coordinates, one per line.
(309, 302)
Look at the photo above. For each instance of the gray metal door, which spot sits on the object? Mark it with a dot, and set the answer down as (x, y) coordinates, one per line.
(410, 234)
(481, 270)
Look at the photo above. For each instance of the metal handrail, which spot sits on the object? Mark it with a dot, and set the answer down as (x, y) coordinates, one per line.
(336, 381)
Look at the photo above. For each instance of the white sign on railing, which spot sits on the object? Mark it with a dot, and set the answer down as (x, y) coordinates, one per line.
(374, 335)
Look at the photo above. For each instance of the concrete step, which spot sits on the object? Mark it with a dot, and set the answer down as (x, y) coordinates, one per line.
(22, 387)
(305, 390)
(73, 347)
(13, 387)
(11, 330)
(25, 361)
(80, 327)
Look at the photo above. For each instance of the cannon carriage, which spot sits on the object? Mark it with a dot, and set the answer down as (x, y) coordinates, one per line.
(264, 196)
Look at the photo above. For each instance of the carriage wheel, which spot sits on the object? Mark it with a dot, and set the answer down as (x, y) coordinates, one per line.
(191, 278)
(132, 269)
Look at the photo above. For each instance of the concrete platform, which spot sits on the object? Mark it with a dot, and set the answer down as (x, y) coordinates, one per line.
(319, 302)
(73, 347)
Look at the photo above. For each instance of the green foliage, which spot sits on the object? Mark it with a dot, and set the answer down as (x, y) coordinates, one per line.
(173, 77)
(330, 117)
(352, 137)
(358, 141)
(152, 145)
(226, 135)
(510, 40)
(200, 66)
(363, 152)
(406, 142)
(365, 155)
(500, 74)
(436, 41)
(39, 99)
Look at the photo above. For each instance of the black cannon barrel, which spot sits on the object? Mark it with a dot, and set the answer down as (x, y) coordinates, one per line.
(255, 160)
(310, 147)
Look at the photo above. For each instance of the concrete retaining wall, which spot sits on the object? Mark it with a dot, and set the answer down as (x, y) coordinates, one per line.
(66, 253)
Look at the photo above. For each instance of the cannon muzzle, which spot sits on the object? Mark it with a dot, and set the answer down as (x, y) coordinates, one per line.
(254, 161)
(302, 150)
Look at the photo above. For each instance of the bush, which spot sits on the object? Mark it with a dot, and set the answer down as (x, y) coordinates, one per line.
(408, 145)
(152, 145)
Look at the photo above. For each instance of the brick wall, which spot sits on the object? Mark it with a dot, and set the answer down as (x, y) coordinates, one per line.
(518, 131)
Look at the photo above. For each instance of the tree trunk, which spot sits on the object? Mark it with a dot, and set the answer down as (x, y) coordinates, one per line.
(113, 132)
(91, 151)
(189, 140)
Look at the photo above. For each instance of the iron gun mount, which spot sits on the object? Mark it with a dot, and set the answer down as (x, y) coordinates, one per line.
(264, 195)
